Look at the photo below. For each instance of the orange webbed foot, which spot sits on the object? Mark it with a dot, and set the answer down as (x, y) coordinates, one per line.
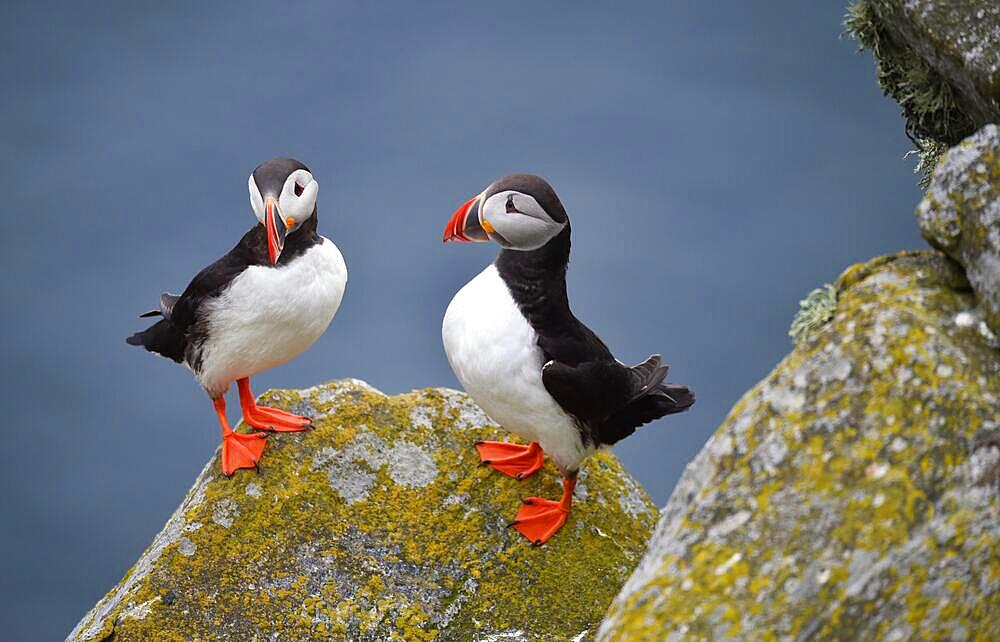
(265, 418)
(539, 519)
(241, 451)
(275, 419)
(515, 460)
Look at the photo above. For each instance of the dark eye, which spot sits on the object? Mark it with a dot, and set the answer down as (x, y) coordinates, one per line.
(298, 189)
(510, 204)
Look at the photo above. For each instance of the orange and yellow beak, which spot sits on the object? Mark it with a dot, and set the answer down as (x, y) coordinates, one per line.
(276, 229)
(465, 224)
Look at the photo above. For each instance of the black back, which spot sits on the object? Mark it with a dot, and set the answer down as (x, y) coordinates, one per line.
(585, 379)
(608, 399)
(179, 335)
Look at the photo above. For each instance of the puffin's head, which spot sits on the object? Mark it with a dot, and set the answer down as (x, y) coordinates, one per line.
(283, 196)
(520, 212)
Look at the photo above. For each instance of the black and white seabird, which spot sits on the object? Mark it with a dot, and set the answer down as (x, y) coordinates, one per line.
(528, 362)
(259, 306)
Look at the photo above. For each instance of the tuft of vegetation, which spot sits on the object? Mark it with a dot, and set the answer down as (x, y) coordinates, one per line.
(934, 121)
(928, 152)
(814, 311)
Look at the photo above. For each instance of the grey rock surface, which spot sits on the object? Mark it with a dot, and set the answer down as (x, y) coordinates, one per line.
(380, 524)
(960, 214)
(940, 59)
(845, 495)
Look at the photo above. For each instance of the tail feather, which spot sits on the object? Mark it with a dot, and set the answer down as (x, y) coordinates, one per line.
(647, 376)
(653, 399)
(162, 338)
(166, 308)
(680, 397)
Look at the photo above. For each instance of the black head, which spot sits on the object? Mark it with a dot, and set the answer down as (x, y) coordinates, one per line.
(520, 212)
(283, 195)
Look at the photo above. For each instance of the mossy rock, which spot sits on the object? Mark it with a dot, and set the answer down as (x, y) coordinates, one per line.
(848, 495)
(939, 59)
(380, 524)
(960, 214)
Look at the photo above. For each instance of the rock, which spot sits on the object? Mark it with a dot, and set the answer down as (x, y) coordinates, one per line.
(378, 525)
(844, 496)
(960, 215)
(939, 59)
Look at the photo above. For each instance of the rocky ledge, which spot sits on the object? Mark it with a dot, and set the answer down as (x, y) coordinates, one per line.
(849, 494)
(380, 524)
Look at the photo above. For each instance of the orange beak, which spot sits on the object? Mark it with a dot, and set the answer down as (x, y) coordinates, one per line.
(465, 225)
(276, 230)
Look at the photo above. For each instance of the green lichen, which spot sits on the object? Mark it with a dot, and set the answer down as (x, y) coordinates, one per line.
(380, 524)
(929, 153)
(814, 311)
(925, 96)
(935, 117)
(840, 499)
(940, 60)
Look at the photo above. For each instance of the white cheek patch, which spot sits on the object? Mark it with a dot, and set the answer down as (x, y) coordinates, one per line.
(256, 201)
(528, 228)
(529, 206)
(524, 233)
(300, 207)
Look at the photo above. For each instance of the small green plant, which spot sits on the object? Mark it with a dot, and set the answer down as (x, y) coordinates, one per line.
(928, 152)
(814, 311)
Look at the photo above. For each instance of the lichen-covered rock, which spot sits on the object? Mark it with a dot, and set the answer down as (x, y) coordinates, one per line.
(843, 497)
(960, 214)
(378, 525)
(940, 59)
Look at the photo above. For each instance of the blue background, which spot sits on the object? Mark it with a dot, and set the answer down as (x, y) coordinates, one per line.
(718, 162)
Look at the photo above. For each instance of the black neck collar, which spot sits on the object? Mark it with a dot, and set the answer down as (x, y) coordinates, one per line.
(537, 281)
(253, 246)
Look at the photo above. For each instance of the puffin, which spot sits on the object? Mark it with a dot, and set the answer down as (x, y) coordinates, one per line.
(259, 306)
(528, 362)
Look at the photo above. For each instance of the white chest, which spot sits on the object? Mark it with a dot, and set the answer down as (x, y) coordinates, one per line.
(493, 350)
(268, 316)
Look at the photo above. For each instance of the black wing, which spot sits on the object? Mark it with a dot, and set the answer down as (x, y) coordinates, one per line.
(664, 399)
(611, 399)
(581, 374)
(207, 284)
(211, 281)
(593, 391)
(170, 336)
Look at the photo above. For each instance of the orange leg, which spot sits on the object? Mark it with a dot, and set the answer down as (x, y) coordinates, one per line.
(515, 460)
(238, 450)
(539, 519)
(264, 418)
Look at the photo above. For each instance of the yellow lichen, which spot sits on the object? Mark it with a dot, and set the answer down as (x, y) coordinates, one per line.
(843, 507)
(381, 524)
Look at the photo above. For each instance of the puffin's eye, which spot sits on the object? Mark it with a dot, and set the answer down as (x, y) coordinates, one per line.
(298, 189)
(510, 204)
